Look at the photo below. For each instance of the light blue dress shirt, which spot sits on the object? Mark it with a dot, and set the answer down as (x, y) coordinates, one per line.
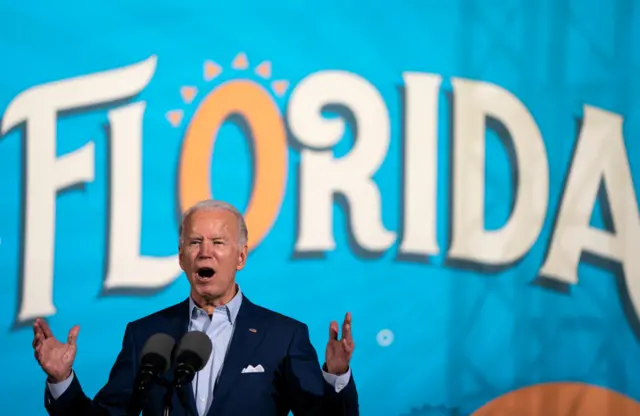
(219, 328)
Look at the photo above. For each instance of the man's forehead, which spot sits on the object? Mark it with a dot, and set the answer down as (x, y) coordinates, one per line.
(211, 219)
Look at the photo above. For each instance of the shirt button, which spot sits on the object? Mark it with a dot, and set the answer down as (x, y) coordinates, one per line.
(203, 400)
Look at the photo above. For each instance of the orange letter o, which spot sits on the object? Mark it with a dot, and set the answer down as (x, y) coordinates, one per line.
(255, 105)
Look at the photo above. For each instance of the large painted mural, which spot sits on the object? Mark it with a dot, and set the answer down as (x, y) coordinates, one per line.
(461, 176)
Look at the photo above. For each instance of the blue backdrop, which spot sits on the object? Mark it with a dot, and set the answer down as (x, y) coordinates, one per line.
(432, 335)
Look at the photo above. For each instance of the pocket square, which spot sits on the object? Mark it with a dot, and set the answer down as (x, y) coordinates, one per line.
(252, 369)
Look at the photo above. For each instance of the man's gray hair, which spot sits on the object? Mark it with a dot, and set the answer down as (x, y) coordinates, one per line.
(211, 204)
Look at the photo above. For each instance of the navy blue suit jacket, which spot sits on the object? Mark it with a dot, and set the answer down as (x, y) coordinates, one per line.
(292, 380)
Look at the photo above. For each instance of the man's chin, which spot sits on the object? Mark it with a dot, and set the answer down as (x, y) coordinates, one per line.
(208, 288)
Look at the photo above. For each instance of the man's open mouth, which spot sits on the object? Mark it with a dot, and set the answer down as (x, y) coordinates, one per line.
(205, 272)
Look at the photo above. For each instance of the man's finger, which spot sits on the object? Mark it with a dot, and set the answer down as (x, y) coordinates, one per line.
(346, 327)
(333, 330)
(73, 335)
(38, 338)
(348, 344)
(37, 330)
(44, 327)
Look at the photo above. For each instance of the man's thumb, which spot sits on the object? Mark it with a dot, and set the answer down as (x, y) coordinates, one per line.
(73, 335)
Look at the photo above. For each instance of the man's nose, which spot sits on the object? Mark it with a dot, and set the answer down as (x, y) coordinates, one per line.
(206, 249)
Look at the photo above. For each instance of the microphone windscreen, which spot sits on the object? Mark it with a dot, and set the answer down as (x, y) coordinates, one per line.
(161, 346)
(196, 343)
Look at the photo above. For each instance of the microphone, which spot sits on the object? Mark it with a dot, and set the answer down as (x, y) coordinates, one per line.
(154, 361)
(191, 356)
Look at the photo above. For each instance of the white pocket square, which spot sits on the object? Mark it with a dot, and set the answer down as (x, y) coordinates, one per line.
(252, 369)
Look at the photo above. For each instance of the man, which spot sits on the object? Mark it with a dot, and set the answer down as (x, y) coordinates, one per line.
(212, 248)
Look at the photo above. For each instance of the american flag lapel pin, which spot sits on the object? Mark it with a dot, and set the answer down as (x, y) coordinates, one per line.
(253, 330)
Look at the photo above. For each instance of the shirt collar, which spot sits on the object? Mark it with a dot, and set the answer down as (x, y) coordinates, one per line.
(230, 309)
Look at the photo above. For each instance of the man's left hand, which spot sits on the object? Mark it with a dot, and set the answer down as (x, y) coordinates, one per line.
(339, 351)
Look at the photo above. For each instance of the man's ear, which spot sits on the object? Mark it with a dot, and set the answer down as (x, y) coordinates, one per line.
(180, 256)
(242, 258)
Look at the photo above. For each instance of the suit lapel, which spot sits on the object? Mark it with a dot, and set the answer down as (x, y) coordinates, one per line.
(177, 325)
(247, 335)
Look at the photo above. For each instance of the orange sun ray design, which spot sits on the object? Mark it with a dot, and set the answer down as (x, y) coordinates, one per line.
(212, 70)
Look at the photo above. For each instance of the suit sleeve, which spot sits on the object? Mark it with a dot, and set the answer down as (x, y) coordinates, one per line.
(307, 390)
(111, 400)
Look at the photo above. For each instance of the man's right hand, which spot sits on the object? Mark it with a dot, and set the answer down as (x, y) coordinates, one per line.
(55, 358)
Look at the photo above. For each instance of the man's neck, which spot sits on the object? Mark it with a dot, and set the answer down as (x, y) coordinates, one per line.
(209, 304)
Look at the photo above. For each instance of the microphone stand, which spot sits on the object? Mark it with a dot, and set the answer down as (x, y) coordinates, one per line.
(137, 402)
(183, 401)
(167, 405)
(168, 396)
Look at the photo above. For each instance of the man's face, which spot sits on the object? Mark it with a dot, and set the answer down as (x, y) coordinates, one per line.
(210, 254)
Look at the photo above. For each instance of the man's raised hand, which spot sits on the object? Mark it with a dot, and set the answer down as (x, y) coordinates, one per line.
(55, 358)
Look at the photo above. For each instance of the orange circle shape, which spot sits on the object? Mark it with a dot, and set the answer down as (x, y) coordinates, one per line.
(561, 399)
(252, 102)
